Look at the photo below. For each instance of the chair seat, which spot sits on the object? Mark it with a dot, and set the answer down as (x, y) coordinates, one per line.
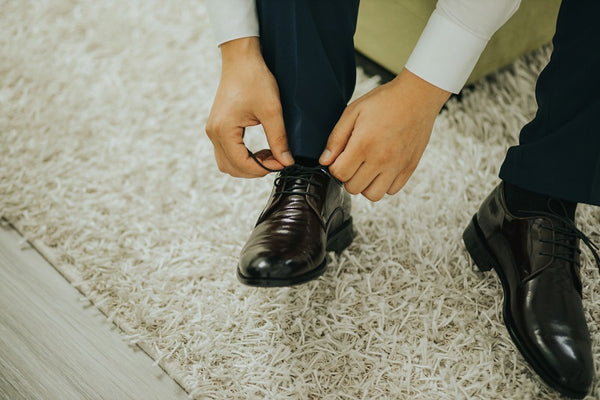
(387, 31)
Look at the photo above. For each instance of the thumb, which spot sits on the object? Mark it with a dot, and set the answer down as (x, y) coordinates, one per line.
(338, 138)
(276, 137)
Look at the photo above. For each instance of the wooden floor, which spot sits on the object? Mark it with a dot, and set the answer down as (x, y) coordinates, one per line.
(56, 345)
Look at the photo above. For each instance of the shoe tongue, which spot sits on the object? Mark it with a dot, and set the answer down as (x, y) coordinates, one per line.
(297, 185)
(559, 207)
(295, 179)
(298, 178)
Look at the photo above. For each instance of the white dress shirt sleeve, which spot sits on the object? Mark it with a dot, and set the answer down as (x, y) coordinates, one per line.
(232, 19)
(445, 55)
(454, 38)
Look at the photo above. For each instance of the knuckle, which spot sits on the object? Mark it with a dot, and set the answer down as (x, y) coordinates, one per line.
(339, 174)
(351, 189)
(344, 178)
(222, 168)
(335, 141)
(333, 145)
(350, 108)
(373, 195)
(210, 130)
(278, 140)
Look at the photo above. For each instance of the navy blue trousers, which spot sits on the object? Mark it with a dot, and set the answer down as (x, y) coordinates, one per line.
(308, 45)
(559, 151)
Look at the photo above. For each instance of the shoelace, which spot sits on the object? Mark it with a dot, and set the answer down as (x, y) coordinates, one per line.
(565, 239)
(298, 174)
(301, 178)
(253, 156)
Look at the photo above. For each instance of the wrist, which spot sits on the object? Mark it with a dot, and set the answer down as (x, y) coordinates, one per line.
(422, 93)
(241, 50)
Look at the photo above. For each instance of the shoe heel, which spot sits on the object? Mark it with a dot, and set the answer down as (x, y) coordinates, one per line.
(341, 238)
(473, 239)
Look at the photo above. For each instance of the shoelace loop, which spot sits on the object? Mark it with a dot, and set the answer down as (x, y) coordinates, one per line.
(301, 178)
(253, 156)
(299, 174)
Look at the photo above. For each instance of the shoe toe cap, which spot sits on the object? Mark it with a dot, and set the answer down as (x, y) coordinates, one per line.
(266, 267)
(571, 364)
(576, 373)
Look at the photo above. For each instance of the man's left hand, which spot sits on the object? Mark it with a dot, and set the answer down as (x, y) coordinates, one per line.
(380, 138)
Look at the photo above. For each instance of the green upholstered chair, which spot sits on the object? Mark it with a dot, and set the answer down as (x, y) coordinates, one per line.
(388, 30)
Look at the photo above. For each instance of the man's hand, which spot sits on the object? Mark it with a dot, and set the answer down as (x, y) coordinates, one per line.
(247, 95)
(380, 138)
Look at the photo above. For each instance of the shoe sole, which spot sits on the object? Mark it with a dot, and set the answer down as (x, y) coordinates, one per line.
(338, 240)
(485, 260)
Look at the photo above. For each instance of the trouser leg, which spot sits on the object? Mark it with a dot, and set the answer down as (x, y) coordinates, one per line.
(559, 151)
(308, 46)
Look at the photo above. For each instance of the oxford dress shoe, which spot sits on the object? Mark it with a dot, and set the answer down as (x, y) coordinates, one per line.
(308, 214)
(537, 258)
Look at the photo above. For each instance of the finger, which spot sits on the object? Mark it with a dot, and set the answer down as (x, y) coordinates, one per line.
(216, 136)
(361, 179)
(238, 171)
(347, 163)
(398, 183)
(272, 122)
(339, 137)
(265, 156)
(380, 185)
(236, 153)
(222, 163)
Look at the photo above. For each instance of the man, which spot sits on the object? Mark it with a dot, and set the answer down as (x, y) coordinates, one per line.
(289, 65)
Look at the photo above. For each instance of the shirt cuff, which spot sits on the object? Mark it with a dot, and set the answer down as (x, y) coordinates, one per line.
(445, 54)
(232, 19)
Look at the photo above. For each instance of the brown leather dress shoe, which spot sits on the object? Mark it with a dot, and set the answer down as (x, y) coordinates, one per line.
(308, 214)
(537, 260)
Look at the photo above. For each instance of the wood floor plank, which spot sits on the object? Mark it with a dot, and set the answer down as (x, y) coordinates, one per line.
(54, 345)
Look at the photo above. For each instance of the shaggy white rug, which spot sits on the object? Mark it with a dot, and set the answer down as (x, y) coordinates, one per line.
(106, 169)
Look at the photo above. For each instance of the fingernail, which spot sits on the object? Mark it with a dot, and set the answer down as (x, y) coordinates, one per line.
(287, 157)
(325, 156)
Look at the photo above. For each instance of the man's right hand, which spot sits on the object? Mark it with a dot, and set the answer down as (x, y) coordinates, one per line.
(248, 95)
